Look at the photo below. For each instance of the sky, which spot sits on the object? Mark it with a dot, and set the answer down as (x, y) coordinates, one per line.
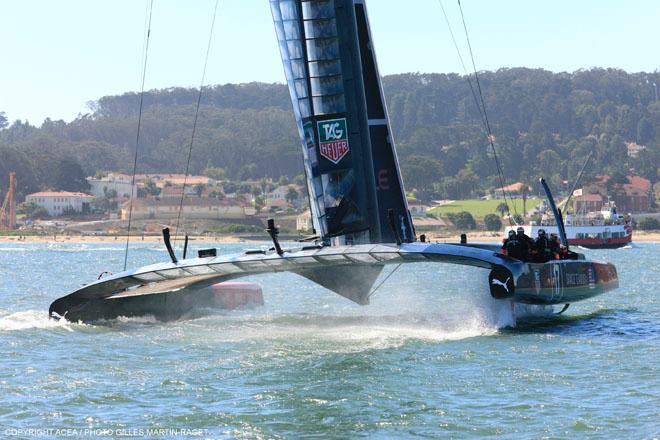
(57, 55)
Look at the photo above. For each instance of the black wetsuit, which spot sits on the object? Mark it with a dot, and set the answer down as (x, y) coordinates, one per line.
(514, 248)
(555, 247)
(543, 247)
(527, 245)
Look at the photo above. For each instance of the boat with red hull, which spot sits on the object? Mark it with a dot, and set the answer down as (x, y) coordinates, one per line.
(592, 237)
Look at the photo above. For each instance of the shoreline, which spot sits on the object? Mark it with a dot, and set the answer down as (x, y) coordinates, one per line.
(480, 237)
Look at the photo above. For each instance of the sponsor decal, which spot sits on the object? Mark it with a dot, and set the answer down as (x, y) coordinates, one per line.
(502, 284)
(537, 281)
(592, 278)
(557, 288)
(308, 129)
(333, 139)
(576, 279)
(382, 180)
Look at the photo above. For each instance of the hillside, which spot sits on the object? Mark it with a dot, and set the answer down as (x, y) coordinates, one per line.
(545, 123)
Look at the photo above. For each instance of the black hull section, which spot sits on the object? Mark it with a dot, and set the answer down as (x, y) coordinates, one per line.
(168, 306)
(564, 282)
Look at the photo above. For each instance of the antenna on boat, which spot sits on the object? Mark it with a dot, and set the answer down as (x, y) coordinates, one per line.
(556, 212)
(168, 245)
(185, 246)
(274, 231)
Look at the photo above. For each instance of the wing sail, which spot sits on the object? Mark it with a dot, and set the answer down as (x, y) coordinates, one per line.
(350, 160)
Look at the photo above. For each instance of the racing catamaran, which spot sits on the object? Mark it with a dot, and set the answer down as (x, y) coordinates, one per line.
(356, 194)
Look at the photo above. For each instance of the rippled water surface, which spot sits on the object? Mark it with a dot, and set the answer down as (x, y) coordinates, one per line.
(432, 356)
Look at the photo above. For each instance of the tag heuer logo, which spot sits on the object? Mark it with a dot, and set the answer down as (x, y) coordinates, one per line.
(333, 139)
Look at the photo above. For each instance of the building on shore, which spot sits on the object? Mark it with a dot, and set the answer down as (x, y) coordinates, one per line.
(514, 190)
(304, 222)
(174, 179)
(121, 184)
(632, 197)
(61, 202)
(199, 208)
(417, 208)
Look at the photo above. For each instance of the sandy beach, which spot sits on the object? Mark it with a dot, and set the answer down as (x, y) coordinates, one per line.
(480, 236)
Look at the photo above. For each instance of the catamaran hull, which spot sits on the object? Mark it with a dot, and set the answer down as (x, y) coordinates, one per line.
(564, 282)
(165, 306)
(171, 290)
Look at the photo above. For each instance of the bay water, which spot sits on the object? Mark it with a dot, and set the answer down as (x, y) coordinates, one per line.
(432, 356)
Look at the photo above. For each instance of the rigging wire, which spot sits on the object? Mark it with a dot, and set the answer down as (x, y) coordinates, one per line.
(483, 106)
(384, 279)
(479, 101)
(137, 136)
(194, 128)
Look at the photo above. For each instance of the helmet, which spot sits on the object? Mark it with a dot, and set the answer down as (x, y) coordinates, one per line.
(520, 230)
(511, 233)
(541, 232)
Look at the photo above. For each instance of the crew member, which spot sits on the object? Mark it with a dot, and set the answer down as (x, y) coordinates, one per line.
(512, 247)
(555, 246)
(542, 247)
(526, 241)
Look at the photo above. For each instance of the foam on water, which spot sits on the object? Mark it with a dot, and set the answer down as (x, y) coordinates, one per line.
(483, 316)
(32, 319)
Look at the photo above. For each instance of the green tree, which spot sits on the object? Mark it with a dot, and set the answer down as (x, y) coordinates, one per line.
(217, 194)
(3, 121)
(502, 208)
(421, 173)
(68, 175)
(244, 188)
(259, 203)
(215, 173)
(291, 195)
(492, 222)
(229, 188)
(31, 210)
(463, 220)
(299, 179)
(150, 188)
(199, 189)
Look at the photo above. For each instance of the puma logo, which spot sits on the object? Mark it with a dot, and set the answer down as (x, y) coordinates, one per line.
(497, 282)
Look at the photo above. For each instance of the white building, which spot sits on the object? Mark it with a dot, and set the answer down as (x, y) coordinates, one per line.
(417, 209)
(199, 208)
(120, 183)
(304, 222)
(61, 202)
(277, 197)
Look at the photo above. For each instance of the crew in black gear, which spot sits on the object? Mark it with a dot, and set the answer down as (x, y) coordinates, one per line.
(527, 243)
(512, 246)
(555, 246)
(542, 246)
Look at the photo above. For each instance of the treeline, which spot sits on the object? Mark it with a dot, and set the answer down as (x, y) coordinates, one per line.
(544, 124)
